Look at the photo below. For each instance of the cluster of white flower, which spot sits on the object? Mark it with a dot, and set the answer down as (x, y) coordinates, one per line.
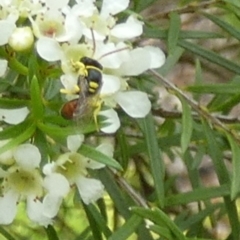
(22, 179)
(64, 32)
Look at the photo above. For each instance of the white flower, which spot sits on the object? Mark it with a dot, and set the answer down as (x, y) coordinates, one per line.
(135, 103)
(112, 122)
(130, 29)
(7, 26)
(13, 116)
(110, 7)
(21, 39)
(72, 167)
(22, 181)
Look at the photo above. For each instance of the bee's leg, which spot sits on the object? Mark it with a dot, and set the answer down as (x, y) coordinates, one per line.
(95, 113)
(75, 90)
(80, 68)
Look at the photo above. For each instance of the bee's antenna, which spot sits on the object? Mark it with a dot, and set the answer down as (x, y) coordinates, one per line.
(115, 51)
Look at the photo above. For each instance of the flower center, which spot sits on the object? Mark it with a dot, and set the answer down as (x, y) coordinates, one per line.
(24, 182)
(71, 166)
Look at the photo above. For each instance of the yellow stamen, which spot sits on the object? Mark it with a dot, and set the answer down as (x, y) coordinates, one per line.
(61, 166)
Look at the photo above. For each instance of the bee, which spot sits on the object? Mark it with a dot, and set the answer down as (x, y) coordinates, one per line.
(89, 86)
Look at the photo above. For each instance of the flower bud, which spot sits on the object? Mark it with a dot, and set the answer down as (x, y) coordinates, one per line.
(21, 39)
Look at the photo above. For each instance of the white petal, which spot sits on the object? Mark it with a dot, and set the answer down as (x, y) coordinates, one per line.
(111, 84)
(89, 189)
(49, 49)
(13, 116)
(113, 7)
(51, 205)
(106, 148)
(8, 207)
(130, 29)
(138, 62)
(135, 103)
(35, 212)
(7, 28)
(74, 142)
(111, 55)
(27, 156)
(53, 4)
(112, 121)
(53, 181)
(49, 168)
(94, 164)
(157, 56)
(3, 67)
(6, 157)
(69, 81)
(73, 28)
(84, 9)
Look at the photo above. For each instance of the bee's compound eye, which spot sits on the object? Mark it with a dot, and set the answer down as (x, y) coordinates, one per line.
(69, 108)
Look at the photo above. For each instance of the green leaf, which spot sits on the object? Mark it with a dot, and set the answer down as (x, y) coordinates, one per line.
(92, 153)
(235, 183)
(96, 232)
(153, 32)
(173, 32)
(224, 25)
(36, 99)
(123, 150)
(155, 158)
(24, 136)
(100, 221)
(56, 131)
(51, 233)
(199, 217)
(159, 217)
(171, 61)
(210, 55)
(223, 177)
(198, 73)
(162, 231)
(15, 130)
(140, 5)
(187, 125)
(220, 88)
(4, 233)
(12, 103)
(127, 229)
(114, 191)
(198, 195)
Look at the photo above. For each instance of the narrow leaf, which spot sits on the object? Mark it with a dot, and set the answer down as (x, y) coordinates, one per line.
(198, 195)
(51, 233)
(155, 158)
(187, 125)
(92, 153)
(127, 229)
(159, 217)
(173, 31)
(220, 88)
(210, 55)
(19, 139)
(224, 25)
(36, 99)
(235, 183)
